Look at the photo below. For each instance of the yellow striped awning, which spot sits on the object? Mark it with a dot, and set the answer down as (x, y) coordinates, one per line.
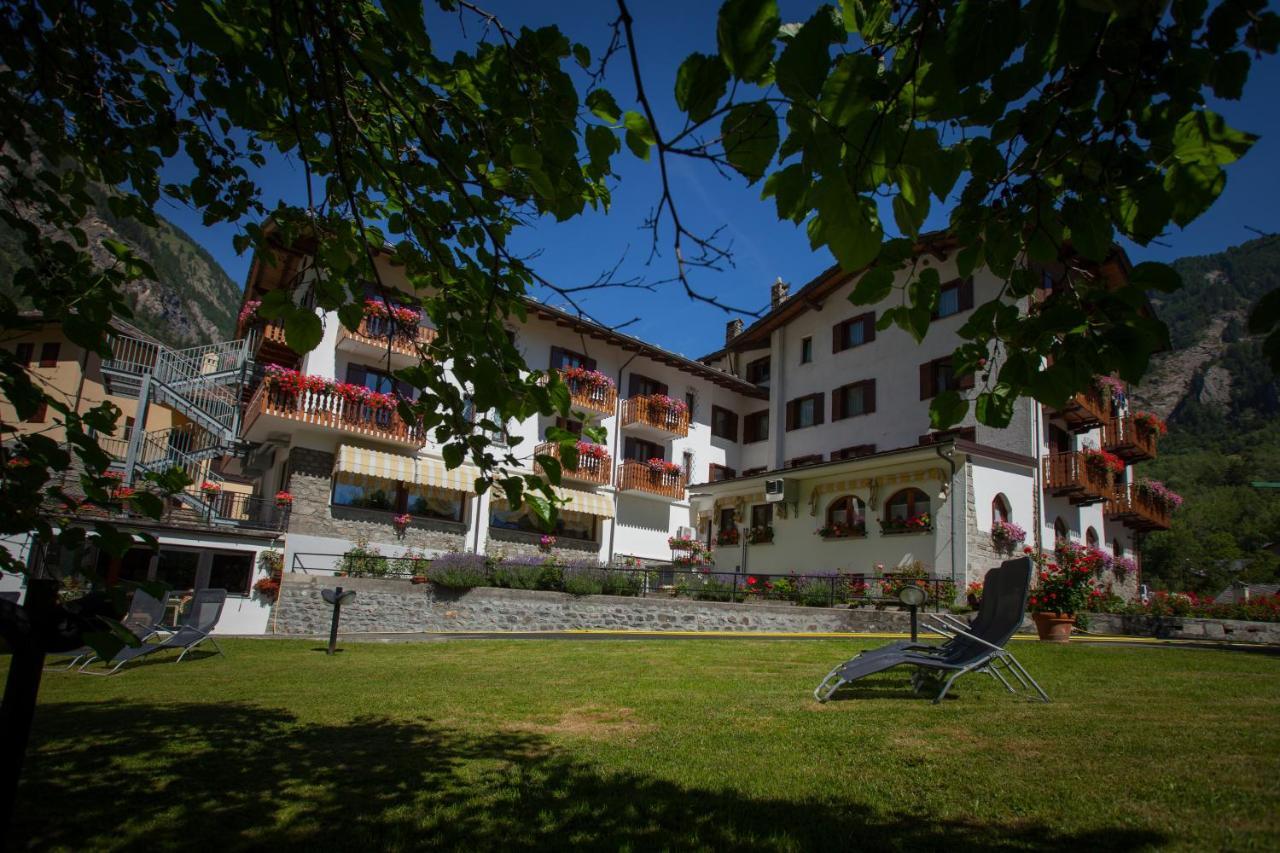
(588, 503)
(361, 462)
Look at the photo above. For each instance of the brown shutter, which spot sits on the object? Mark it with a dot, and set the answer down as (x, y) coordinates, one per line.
(49, 354)
(966, 293)
(819, 413)
(25, 353)
(791, 415)
(837, 403)
(869, 327)
(926, 380)
(869, 396)
(837, 337)
(733, 426)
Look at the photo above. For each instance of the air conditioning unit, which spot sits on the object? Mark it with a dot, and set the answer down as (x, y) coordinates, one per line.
(781, 489)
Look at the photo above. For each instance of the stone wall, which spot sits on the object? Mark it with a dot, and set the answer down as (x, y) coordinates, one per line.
(396, 605)
(1185, 628)
(517, 543)
(311, 483)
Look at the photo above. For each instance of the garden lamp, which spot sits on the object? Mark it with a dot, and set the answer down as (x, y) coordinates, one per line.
(912, 596)
(337, 598)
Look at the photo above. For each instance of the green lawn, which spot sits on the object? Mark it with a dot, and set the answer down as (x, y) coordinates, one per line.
(642, 745)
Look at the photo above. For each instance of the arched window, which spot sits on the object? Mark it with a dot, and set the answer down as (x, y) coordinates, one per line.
(1060, 531)
(999, 509)
(846, 517)
(1117, 550)
(906, 504)
(1091, 538)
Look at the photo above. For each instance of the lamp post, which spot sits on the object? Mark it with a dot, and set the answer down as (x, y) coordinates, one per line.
(337, 598)
(912, 596)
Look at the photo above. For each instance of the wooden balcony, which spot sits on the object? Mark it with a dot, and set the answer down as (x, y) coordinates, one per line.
(601, 399)
(647, 415)
(638, 477)
(271, 410)
(1067, 475)
(589, 468)
(1136, 510)
(1087, 410)
(267, 343)
(377, 336)
(1125, 438)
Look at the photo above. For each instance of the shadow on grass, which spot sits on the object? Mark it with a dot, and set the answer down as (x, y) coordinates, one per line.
(219, 776)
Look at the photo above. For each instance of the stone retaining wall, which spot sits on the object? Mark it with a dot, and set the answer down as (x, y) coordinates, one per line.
(396, 605)
(1185, 628)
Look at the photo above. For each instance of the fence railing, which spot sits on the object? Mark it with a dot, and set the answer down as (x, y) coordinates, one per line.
(330, 409)
(384, 331)
(652, 411)
(638, 476)
(590, 469)
(1070, 475)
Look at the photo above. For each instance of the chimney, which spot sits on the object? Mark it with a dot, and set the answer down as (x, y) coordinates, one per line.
(732, 329)
(779, 293)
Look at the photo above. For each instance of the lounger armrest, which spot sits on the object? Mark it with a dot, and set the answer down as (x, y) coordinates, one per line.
(970, 636)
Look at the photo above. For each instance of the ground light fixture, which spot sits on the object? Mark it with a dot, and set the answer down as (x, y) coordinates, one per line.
(337, 598)
(912, 596)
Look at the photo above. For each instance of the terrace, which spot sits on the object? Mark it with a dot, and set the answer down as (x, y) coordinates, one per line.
(597, 396)
(1137, 510)
(1126, 438)
(643, 479)
(655, 415)
(377, 336)
(1086, 410)
(590, 468)
(274, 409)
(1070, 475)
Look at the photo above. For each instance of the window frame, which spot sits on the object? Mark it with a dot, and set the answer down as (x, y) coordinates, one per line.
(1000, 509)
(806, 349)
(750, 432)
(840, 400)
(636, 380)
(730, 418)
(929, 378)
(766, 509)
(911, 492)
(562, 357)
(753, 370)
(794, 407)
(725, 472)
(840, 332)
(963, 288)
(630, 441)
(807, 459)
(853, 451)
(847, 502)
(25, 353)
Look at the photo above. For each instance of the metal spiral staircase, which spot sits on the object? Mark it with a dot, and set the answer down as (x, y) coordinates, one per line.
(204, 384)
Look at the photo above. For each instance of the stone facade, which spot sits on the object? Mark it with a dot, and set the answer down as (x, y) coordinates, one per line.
(1186, 628)
(517, 543)
(311, 483)
(398, 606)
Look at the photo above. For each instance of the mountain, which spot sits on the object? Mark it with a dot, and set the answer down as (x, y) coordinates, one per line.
(1222, 402)
(192, 301)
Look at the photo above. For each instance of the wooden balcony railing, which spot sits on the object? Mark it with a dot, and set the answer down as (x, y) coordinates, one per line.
(1068, 475)
(590, 469)
(647, 411)
(331, 410)
(1086, 410)
(638, 476)
(1137, 510)
(1125, 438)
(378, 331)
(602, 399)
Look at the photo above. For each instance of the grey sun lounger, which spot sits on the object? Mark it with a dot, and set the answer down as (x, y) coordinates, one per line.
(979, 647)
(206, 608)
(146, 612)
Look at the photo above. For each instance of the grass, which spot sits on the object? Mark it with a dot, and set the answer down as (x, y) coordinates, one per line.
(641, 745)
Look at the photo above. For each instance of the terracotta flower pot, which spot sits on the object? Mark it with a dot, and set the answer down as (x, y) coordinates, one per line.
(418, 579)
(1054, 627)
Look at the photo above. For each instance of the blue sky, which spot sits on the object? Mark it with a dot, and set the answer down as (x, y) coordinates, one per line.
(764, 249)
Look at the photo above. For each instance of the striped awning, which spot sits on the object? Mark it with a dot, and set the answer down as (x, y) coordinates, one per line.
(588, 503)
(361, 462)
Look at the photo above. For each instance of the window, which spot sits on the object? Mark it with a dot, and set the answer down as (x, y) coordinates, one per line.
(1117, 550)
(999, 509)
(853, 332)
(847, 516)
(178, 569)
(853, 452)
(937, 376)
(25, 352)
(804, 412)
(643, 386)
(426, 502)
(570, 425)
(135, 565)
(724, 423)
(690, 400)
(641, 450)
(1060, 531)
(561, 358)
(811, 459)
(906, 504)
(232, 572)
(721, 472)
(364, 495)
(727, 520)
(955, 296)
(49, 354)
(806, 350)
(1091, 538)
(755, 427)
(686, 464)
(40, 415)
(762, 515)
(857, 398)
(570, 525)
(758, 371)
(1059, 439)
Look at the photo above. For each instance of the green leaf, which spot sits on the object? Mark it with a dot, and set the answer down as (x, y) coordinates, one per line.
(452, 454)
(1229, 74)
(804, 62)
(947, 409)
(788, 187)
(846, 224)
(750, 133)
(582, 54)
(602, 144)
(303, 330)
(602, 105)
(745, 32)
(994, 409)
(640, 136)
(542, 511)
(351, 315)
(981, 34)
(525, 156)
(874, 285)
(1203, 136)
(1152, 275)
(1090, 228)
(1192, 189)
(700, 84)
(550, 466)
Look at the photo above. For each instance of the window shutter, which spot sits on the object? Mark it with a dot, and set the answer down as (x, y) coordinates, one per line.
(791, 415)
(869, 396)
(837, 403)
(629, 448)
(926, 380)
(869, 327)
(818, 410)
(837, 337)
(49, 354)
(557, 357)
(966, 293)
(25, 353)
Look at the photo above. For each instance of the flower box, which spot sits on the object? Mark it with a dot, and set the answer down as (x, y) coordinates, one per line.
(728, 536)
(842, 531)
(921, 523)
(760, 535)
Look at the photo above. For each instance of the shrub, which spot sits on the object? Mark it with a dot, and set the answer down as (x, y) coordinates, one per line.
(711, 588)
(364, 560)
(459, 571)
(519, 572)
(622, 583)
(582, 577)
(814, 592)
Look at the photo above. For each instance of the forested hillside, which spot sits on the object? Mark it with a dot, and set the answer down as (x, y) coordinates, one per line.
(1223, 406)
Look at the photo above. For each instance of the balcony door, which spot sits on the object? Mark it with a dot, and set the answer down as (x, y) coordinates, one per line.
(642, 451)
(642, 386)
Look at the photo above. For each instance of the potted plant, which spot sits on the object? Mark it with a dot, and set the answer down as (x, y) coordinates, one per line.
(920, 523)
(727, 536)
(760, 535)
(1006, 536)
(284, 499)
(1150, 423)
(546, 542)
(661, 467)
(1065, 586)
(678, 544)
(210, 489)
(417, 565)
(842, 531)
(401, 523)
(1103, 461)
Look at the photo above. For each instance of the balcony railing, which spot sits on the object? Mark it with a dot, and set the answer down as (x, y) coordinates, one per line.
(591, 396)
(331, 410)
(384, 332)
(1086, 410)
(650, 412)
(1068, 475)
(589, 469)
(1137, 510)
(1125, 438)
(638, 476)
